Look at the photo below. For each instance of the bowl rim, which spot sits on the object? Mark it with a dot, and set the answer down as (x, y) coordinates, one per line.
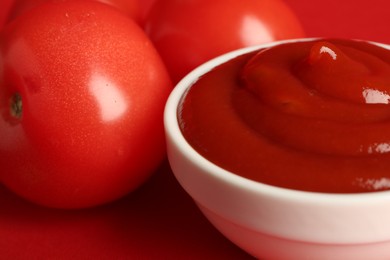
(172, 128)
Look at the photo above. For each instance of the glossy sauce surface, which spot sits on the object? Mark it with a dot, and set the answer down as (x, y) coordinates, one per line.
(310, 116)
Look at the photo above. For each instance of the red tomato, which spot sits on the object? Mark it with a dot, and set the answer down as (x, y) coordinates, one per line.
(82, 93)
(5, 7)
(129, 7)
(189, 32)
(145, 6)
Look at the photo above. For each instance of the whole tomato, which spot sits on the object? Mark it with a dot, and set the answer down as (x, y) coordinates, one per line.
(189, 32)
(82, 93)
(130, 7)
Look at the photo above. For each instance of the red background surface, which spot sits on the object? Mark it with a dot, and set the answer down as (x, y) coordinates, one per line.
(159, 221)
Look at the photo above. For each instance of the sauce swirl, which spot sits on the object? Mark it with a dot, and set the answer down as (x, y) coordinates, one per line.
(310, 115)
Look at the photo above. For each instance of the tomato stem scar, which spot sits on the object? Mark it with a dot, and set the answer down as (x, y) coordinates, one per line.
(16, 107)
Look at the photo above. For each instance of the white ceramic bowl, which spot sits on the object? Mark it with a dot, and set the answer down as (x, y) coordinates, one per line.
(270, 222)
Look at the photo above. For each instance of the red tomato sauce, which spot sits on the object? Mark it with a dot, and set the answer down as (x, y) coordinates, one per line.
(312, 116)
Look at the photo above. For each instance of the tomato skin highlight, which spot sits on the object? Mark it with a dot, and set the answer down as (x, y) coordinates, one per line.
(188, 33)
(93, 90)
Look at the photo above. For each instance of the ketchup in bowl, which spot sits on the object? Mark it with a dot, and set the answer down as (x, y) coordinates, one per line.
(311, 116)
